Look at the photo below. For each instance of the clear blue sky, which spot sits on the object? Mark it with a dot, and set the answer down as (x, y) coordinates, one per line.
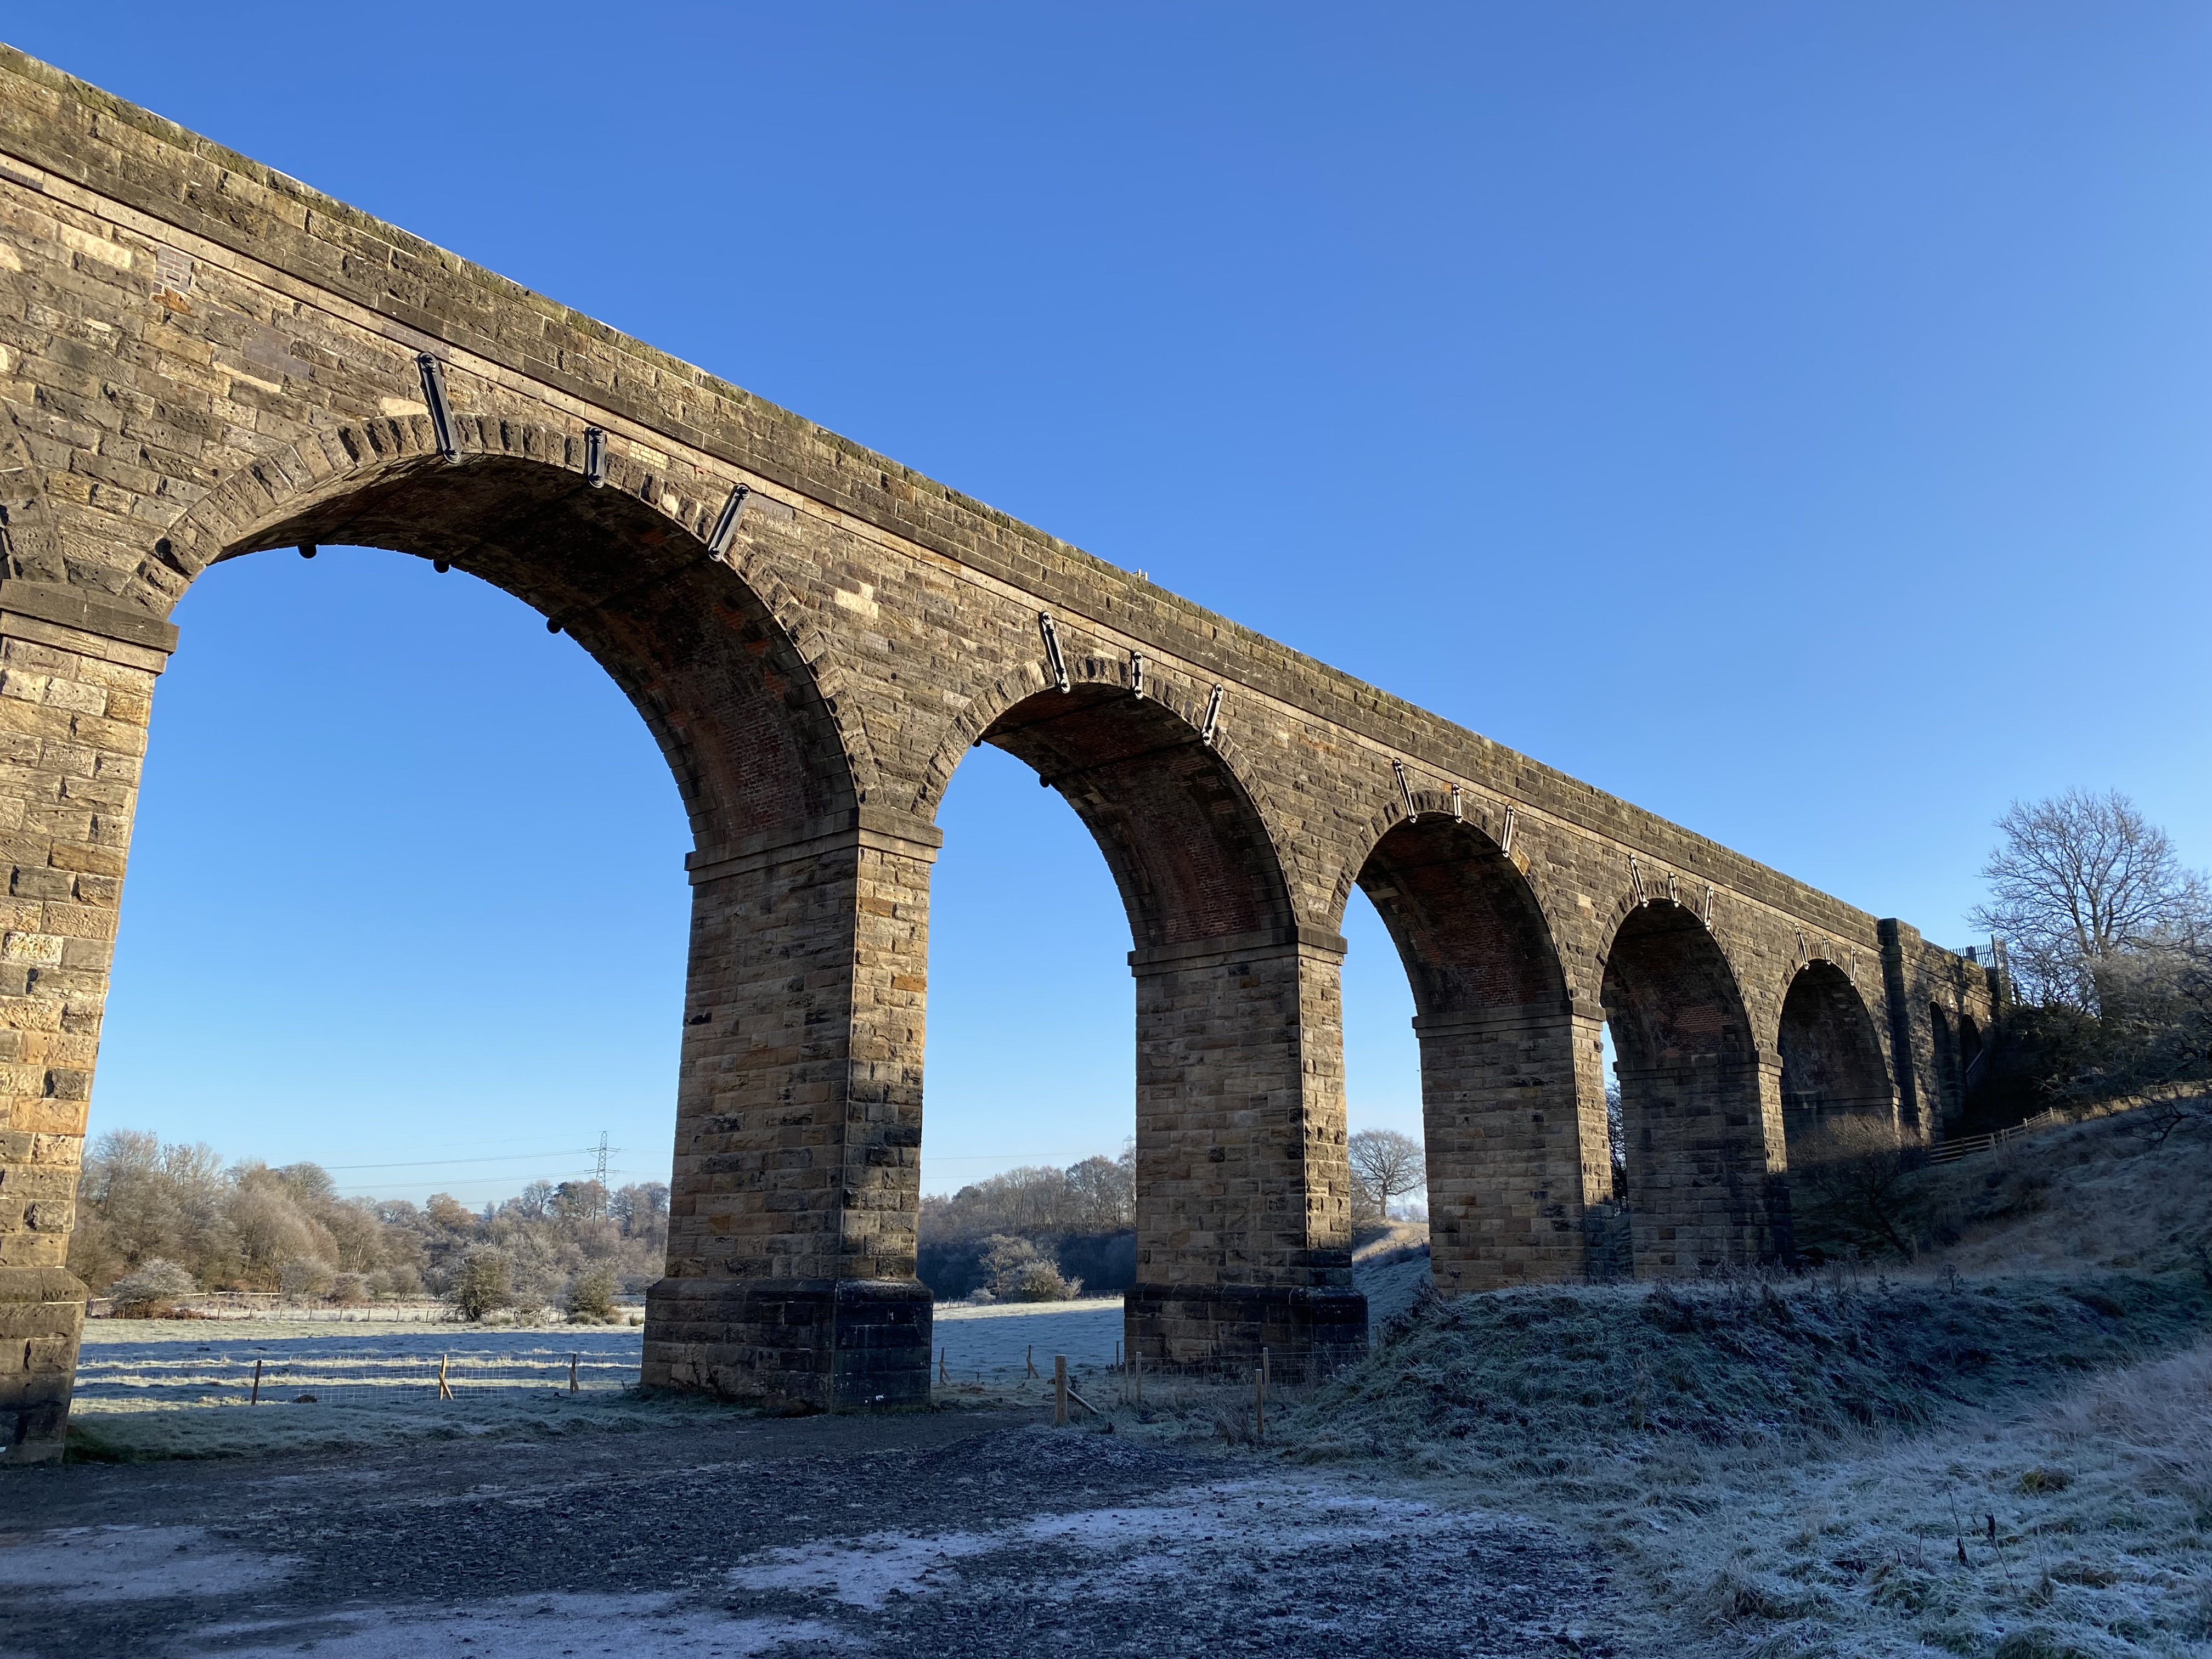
(1793, 419)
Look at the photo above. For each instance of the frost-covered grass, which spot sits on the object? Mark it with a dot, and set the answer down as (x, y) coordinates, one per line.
(149, 1388)
(2106, 1194)
(154, 1388)
(161, 1363)
(991, 1342)
(2015, 1468)
(128, 1436)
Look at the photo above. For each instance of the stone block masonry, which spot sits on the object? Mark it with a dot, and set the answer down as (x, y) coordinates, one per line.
(201, 359)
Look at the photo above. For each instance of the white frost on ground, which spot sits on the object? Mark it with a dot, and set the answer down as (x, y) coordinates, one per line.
(1154, 1544)
(522, 1627)
(179, 1388)
(141, 1364)
(993, 1342)
(109, 1563)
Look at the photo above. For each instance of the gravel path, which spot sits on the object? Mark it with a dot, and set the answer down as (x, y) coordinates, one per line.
(939, 1533)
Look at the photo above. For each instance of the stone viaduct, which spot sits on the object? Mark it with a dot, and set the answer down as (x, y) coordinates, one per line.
(202, 359)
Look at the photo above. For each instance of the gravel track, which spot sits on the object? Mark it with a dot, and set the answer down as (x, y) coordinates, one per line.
(939, 1533)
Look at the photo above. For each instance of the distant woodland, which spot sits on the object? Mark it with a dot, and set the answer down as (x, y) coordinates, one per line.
(201, 1225)
(1035, 1234)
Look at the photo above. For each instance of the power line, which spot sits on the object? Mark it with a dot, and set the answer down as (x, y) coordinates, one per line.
(506, 1183)
(503, 1157)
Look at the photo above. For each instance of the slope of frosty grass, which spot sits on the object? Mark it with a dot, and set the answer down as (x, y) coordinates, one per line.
(2106, 1194)
(282, 1428)
(2012, 1469)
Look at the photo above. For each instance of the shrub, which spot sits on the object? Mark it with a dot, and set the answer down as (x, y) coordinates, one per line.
(350, 1290)
(1041, 1281)
(481, 1283)
(1019, 1271)
(147, 1291)
(306, 1276)
(592, 1297)
(395, 1281)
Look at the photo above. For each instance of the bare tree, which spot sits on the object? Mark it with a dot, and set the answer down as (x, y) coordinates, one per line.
(1385, 1164)
(2153, 1045)
(2080, 880)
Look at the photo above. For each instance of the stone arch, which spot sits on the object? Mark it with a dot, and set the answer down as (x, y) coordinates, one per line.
(1508, 1145)
(1387, 810)
(1189, 848)
(1242, 1187)
(798, 1107)
(1094, 673)
(727, 667)
(1704, 1162)
(1467, 921)
(1836, 1099)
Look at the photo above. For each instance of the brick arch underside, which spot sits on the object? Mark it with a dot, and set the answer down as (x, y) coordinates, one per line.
(1836, 1093)
(1186, 843)
(735, 708)
(1465, 921)
(1499, 1106)
(1700, 1189)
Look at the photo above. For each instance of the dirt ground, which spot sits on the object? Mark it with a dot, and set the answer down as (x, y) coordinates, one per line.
(945, 1533)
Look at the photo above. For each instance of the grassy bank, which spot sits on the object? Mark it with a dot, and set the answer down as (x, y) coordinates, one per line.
(1746, 1361)
(2011, 1468)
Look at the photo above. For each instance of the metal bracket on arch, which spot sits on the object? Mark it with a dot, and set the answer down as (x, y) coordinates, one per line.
(1405, 786)
(1057, 662)
(441, 414)
(1137, 674)
(725, 527)
(1636, 880)
(1212, 718)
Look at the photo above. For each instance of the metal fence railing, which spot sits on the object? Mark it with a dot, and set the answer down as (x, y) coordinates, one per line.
(1966, 1145)
(2051, 1118)
(235, 1378)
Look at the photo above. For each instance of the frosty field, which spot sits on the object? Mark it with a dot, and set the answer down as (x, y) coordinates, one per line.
(152, 1389)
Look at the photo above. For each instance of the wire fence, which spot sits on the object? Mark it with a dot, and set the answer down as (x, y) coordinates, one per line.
(1966, 1145)
(2051, 1118)
(118, 1379)
(238, 1305)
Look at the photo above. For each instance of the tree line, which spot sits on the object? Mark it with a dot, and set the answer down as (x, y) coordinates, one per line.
(1039, 1234)
(159, 1221)
(1034, 1234)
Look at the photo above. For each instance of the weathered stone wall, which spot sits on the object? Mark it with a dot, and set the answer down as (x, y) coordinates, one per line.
(74, 706)
(200, 359)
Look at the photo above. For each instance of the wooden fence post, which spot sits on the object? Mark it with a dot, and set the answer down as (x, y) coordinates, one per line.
(255, 1399)
(571, 1372)
(1260, 1402)
(1060, 1391)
